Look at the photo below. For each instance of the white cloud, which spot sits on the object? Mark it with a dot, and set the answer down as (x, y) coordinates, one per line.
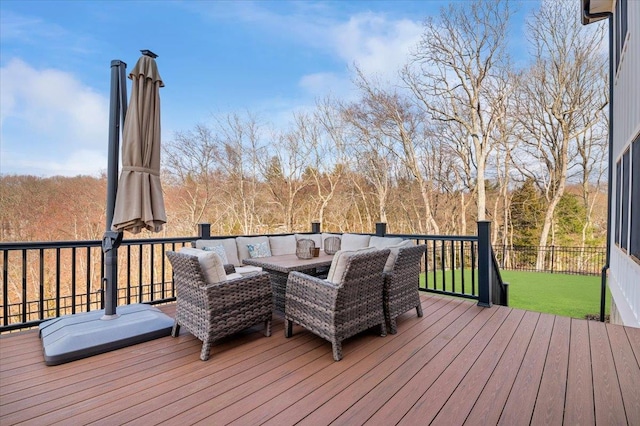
(379, 47)
(81, 162)
(51, 120)
(322, 83)
(375, 44)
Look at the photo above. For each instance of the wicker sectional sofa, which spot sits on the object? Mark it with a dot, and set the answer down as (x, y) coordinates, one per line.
(236, 248)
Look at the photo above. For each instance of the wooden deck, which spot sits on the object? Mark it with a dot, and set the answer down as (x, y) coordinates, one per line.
(459, 364)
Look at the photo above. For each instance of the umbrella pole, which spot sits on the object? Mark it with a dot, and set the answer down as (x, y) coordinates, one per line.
(112, 239)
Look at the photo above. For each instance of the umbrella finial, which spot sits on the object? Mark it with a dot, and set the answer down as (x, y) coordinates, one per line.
(149, 53)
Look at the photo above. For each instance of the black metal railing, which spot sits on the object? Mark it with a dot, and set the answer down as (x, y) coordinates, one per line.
(453, 265)
(46, 280)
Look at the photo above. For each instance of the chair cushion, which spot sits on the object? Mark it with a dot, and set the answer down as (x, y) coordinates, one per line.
(384, 242)
(210, 264)
(285, 244)
(219, 250)
(259, 250)
(234, 276)
(229, 245)
(354, 241)
(339, 263)
(244, 270)
(242, 242)
(393, 254)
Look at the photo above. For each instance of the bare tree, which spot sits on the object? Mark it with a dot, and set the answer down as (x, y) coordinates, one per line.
(238, 140)
(324, 133)
(189, 164)
(401, 130)
(458, 75)
(367, 158)
(283, 164)
(561, 100)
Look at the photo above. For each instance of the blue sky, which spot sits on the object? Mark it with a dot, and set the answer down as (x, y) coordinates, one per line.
(267, 57)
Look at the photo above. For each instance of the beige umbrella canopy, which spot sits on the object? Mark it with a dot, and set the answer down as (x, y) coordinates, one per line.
(139, 201)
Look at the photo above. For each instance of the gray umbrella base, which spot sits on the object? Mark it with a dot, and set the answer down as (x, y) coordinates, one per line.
(77, 336)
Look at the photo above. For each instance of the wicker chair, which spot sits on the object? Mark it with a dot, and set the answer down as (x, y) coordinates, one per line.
(213, 311)
(337, 311)
(401, 285)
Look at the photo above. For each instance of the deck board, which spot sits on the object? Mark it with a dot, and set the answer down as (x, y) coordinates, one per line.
(606, 387)
(550, 401)
(579, 406)
(458, 364)
(351, 398)
(522, 395)
(627, 372)
(488, 407)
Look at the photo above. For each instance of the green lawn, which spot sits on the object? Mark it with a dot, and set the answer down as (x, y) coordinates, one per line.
(566, 295)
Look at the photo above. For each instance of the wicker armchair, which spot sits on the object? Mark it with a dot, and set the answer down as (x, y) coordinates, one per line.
(213, 311)
(336, 311)
(401, 285)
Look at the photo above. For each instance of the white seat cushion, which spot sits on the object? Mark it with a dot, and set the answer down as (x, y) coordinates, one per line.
(384, 242)
(285, 244)
(210, 264)
(234, 276)
(244, 270)
(393, 254)
(354, 241)
(339, 263)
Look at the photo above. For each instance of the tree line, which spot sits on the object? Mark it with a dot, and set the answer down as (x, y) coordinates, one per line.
(465, 134)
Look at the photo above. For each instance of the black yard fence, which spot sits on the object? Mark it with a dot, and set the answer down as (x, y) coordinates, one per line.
(556, 259)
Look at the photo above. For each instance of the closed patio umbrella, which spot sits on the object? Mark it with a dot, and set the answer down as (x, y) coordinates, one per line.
(139, 201)
(135, 202)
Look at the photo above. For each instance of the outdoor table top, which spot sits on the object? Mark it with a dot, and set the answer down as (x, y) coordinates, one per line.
(290, 262)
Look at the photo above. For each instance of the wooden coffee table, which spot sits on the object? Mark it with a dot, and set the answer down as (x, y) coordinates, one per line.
(279, 267)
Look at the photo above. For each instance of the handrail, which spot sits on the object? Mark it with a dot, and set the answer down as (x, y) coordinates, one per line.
(500, 289)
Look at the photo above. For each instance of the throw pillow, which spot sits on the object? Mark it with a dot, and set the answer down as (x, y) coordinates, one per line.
(229, 245)
(243, 242)
(259, 250)
(220, 251)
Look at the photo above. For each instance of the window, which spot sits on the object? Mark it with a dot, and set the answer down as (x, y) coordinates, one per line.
(621, 28)
(624, 200)
(618, 201)
(634, 237)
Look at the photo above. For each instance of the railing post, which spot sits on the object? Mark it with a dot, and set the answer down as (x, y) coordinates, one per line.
(315, 227)
(484, 263)
(381, 229)
(204, 231)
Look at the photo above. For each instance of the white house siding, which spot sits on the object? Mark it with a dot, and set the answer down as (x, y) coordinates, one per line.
(624, 273)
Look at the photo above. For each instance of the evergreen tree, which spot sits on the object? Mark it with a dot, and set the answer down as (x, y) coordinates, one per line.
(527, 214)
